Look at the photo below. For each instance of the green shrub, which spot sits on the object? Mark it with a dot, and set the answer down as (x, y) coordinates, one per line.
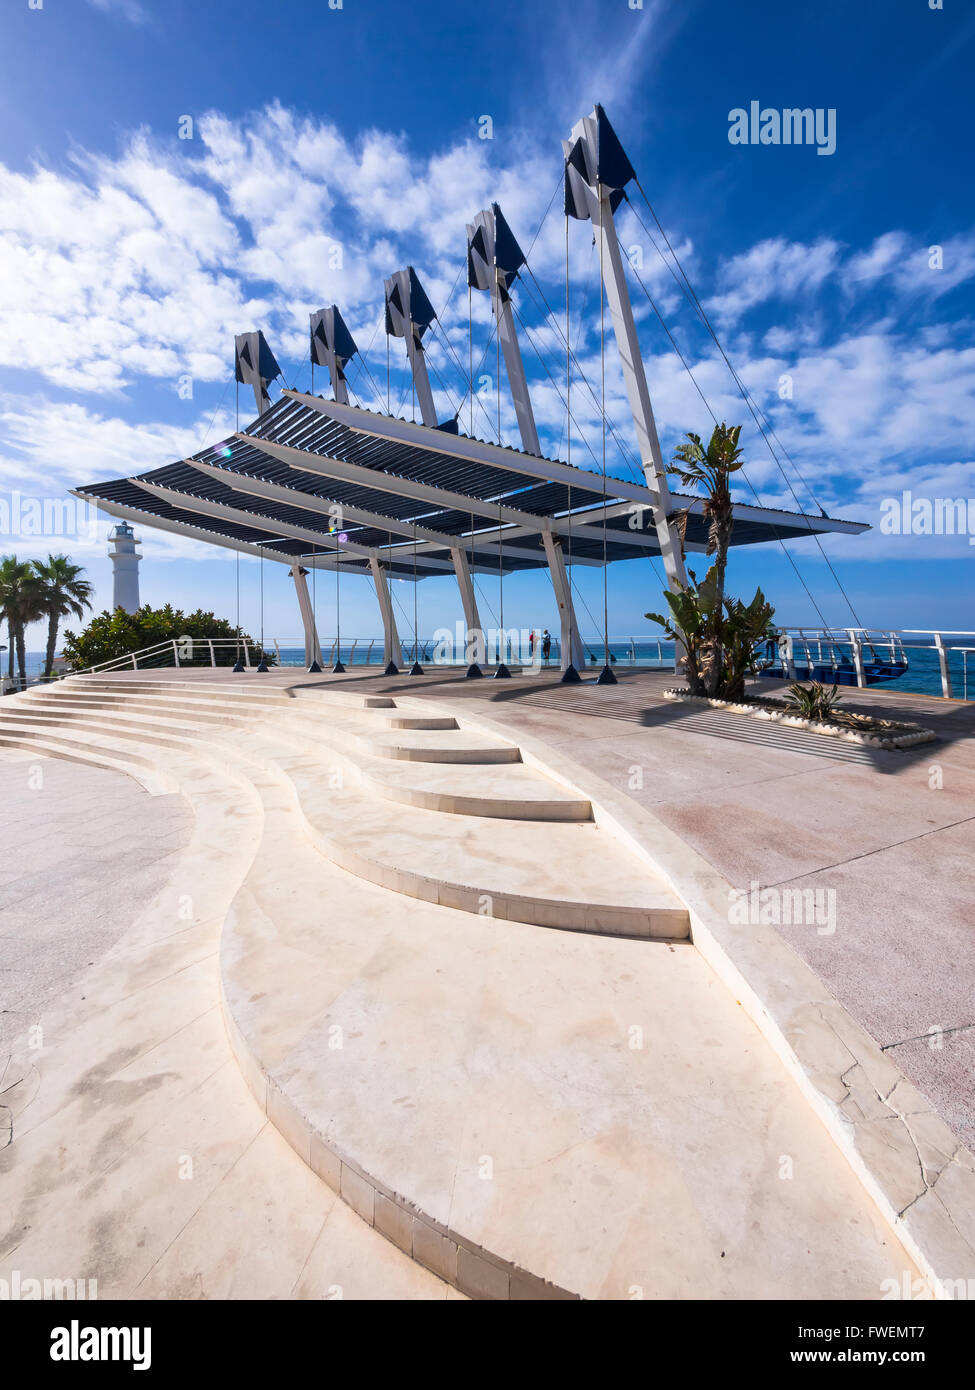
(111, 635)
(813, 701)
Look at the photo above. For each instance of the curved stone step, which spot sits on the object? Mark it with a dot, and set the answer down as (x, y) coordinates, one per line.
(510, 791)
(227, 687)
(504, 872)
(550, 874)
(46, 744)
(202, 714)
(162, 699)
(533, 1114)
(196, 689)
(447, 746)
(525, 1113)
(208, 708)
(421, 721)
(136, 1065)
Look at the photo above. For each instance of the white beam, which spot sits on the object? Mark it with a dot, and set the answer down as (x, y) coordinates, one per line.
(313, 651)
(198, 533)
(421, 380)
(635, 379)
(274, 528)
(515, 368)
(340, 470)
(472, 619)
(570, 646)
(392, 651)
(459, 446)
(294, 497)
(340, 390)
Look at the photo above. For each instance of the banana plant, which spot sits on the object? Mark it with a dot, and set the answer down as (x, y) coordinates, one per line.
(742, 630)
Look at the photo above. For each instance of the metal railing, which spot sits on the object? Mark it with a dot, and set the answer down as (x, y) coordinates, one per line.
(179, 652)
(435, 650)
(938, 660)
(174, 652)
(838, 649)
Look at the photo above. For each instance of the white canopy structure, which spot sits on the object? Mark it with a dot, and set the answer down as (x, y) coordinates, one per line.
(318, 483)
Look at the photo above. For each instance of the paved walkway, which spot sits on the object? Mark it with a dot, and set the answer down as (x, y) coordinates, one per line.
(761, 810)
(892, 835)
(85, 851)
(131, 1150)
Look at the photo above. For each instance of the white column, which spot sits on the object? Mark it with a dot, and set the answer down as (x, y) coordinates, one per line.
(418, 366)
(474, 634)
(515, 368)
(313, 651)
(635, 377)
(945, 668)
(571, 643)
(392, 651)
(340, 388)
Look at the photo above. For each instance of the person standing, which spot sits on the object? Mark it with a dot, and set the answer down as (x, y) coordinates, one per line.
(546, 645)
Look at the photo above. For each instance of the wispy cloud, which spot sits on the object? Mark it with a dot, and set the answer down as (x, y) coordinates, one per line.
(136, 269)
(130, 10)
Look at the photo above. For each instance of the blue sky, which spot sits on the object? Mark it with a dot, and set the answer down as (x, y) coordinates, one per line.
(130, 257)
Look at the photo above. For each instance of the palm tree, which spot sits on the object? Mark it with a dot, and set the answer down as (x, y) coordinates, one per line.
(62, 593)
(8, 584)
(19, 605)
(718, 633)
(711, 468)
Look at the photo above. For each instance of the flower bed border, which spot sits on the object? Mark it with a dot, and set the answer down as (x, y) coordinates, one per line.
(894, 734)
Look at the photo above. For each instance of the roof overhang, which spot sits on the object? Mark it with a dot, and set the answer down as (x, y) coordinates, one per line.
(408, 495)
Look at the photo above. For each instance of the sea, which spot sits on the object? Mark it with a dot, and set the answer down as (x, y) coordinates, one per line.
(922, 677)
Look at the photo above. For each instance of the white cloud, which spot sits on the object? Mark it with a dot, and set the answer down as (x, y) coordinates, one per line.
(50, 447)
(130, 10)
(137, 268)
(915, 269)
(773, 269)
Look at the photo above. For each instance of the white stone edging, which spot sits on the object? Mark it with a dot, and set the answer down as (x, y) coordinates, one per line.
(913, 733)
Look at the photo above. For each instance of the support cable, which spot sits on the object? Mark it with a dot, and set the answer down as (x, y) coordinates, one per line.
(754, 409)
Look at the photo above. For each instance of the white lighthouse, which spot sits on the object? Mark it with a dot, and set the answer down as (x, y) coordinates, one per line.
(125, 568)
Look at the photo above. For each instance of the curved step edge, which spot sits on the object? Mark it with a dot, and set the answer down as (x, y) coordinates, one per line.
(150, 778)
(658, 924)
(465, 1265)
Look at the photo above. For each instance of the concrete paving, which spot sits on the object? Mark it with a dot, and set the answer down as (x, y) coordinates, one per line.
(85, 851)
(893, 839)
(484, 986)
(131, 1150)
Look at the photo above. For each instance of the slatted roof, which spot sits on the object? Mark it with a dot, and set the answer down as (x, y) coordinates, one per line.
(499, 476)
(289, 422)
